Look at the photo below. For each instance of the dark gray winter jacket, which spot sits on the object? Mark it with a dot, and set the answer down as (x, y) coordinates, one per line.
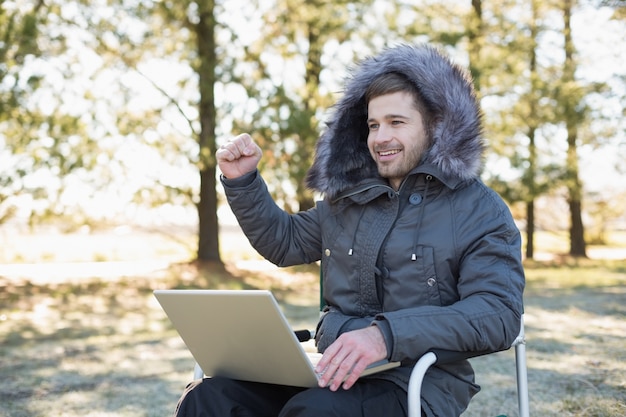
(436, 264)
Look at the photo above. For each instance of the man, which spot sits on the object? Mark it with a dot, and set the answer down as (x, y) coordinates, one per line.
(416, 252)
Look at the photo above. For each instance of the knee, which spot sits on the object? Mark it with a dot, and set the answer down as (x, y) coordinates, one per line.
(194, 400)
(205, 386)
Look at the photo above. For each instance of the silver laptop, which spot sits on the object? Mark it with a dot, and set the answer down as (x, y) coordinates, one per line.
(242, 334)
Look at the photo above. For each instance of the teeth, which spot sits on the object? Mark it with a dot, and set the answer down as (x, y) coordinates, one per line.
(386, 153)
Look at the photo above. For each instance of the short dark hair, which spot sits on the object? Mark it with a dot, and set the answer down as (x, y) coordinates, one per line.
(393, 82)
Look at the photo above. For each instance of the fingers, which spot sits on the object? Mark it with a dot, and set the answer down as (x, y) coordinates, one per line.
(354, 374)
(240, 146)
(332, 361)
(345, 360)
(341, 366)
(342, 371)
(245, 145)
(238, 156)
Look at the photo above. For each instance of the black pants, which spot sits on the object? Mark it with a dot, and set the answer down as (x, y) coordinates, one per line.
(222, 397)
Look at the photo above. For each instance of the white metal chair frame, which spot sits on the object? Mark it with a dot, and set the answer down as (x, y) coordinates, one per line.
(431, 358)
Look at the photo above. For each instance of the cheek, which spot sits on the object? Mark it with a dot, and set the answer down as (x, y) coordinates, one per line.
(370, 144)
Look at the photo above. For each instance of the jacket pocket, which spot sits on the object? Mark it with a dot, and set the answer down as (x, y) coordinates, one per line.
(427, 275)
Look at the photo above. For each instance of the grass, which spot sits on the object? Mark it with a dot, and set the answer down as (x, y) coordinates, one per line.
(576, 330)
(101, 345)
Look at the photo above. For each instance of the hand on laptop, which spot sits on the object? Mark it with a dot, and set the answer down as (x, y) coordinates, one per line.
(345, 359)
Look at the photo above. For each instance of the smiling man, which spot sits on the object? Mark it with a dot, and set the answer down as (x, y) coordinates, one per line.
(416, 252)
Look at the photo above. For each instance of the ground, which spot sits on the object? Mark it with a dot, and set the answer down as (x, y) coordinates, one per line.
(82, 334)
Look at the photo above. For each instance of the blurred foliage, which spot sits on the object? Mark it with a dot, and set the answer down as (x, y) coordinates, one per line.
(102, 101)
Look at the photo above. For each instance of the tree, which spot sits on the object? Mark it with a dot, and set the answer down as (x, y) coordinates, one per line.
(502, 49)
(18, 34)
(49, 152)
(475, 35)
(182, 36)
(199, 18)
(534, 115)
(573, 113)
(204, 29)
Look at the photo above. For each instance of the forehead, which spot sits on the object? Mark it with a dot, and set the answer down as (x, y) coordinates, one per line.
(393, 102)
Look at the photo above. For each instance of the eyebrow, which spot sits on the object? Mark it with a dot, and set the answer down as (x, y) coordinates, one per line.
(390, 116)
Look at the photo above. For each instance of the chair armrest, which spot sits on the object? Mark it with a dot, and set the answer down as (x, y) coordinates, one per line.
(415, 383)
(441, 356)
(420, 368)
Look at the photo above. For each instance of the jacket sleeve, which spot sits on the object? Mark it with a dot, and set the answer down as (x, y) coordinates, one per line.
(282, 238)
(333, 323)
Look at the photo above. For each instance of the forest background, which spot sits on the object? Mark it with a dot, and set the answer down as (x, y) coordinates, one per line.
(110, 115)
(111, 111)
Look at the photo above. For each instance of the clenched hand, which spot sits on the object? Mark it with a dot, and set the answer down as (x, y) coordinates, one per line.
(238, 156)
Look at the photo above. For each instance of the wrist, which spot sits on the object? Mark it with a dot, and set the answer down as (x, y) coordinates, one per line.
(384, 332)
(239, 182)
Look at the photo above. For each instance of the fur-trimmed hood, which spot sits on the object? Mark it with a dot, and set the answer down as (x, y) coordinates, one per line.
(342, 159)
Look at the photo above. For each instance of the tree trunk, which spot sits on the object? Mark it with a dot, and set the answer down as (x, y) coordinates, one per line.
(208, 229)
(531, 186)
(530, 229)
(475, 35)
(531, 172)
(577, 231)
(578, 247)
(309, 134)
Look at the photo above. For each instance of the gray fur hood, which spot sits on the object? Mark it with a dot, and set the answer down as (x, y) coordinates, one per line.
(342, 159)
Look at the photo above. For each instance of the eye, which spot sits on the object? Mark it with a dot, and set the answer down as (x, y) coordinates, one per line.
(372, 126)
(397, 122)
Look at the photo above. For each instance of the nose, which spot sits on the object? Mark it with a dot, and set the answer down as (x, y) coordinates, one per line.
(383, 133)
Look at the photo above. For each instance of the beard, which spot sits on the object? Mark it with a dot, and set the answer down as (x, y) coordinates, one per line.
(395, 171)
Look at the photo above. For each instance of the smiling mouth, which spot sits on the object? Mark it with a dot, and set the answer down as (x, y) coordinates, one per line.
(389, 152)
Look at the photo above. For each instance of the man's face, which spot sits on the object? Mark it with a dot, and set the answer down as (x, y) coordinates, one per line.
(397, 138)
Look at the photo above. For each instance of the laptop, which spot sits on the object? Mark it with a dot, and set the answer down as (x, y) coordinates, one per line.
(243, 334)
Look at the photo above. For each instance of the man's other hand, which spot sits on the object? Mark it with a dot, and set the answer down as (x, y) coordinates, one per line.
(345, 359)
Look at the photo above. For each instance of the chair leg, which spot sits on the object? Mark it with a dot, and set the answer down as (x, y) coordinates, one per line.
(197, 372)
(522, 379)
